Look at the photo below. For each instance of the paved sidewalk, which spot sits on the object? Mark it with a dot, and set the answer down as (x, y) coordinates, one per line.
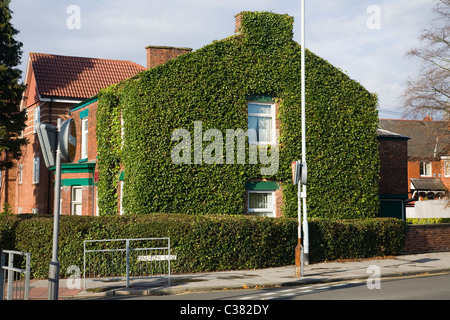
(282, 276)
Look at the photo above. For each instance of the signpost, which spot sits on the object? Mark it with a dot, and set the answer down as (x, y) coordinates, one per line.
(57, 143)
(299, 168)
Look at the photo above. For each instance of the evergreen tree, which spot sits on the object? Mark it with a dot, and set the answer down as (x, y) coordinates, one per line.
(12, 120)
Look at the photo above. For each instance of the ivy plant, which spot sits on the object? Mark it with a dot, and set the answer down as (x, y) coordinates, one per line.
(213, 85)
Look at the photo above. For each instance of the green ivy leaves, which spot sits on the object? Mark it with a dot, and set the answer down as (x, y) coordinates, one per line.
(212, 85)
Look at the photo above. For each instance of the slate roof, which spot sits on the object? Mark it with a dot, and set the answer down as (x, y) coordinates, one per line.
(428, 139)
(427, 184)
(78, 77)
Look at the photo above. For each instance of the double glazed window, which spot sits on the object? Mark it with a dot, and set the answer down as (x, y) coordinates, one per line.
(447, 168)
(76, 203)
(36, 164)
(261, 123)
(84, 138)
(261, 203)
(425, 169)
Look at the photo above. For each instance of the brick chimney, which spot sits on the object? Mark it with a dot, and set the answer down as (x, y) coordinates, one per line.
(237, 22)
(157, 55)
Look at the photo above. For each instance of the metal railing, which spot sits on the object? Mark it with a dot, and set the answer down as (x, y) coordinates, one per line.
(119, 259)
(14, 282)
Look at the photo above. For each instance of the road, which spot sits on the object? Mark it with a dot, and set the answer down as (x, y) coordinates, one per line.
(423, 287)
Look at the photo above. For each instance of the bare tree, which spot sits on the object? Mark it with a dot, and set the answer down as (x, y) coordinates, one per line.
(429, 93)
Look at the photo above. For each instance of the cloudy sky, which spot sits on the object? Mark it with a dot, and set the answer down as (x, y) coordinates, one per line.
(368, 39)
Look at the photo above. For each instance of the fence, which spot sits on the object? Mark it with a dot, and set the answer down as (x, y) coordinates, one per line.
(119, 259)
(15, 281)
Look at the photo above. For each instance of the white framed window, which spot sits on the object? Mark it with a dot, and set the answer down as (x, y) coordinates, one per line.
(447, 168)
(34, 210)
(261, 203)
(425, 169)
(37, 118)
(20, 175)
(261, 123)
(84, 138)
(76, 201)
(36, 163)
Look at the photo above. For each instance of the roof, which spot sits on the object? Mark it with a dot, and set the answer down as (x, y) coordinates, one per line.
(428, 139)
(78, 77)
(385, 134)
(427, 184)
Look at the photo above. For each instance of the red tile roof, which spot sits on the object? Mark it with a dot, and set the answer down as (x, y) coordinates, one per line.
(76, 77)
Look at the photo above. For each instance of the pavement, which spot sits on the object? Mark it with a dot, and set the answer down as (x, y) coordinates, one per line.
(324, 272)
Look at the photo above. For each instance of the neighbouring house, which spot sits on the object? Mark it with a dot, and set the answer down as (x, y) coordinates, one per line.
(54, 84)
(79, 179)
(428, 156)
(163, 144)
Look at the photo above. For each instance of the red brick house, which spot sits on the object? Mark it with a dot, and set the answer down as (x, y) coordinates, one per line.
(54, 84)
(428, 155)
(79, 179)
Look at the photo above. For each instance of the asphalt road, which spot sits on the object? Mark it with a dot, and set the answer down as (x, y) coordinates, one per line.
(422, 287)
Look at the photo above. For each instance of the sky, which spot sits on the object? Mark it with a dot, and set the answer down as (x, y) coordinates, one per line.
(367, 39)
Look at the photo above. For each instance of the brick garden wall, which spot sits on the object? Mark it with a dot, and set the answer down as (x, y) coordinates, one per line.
(427, 238)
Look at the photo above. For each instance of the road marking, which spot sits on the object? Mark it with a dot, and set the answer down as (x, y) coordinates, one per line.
(268, 293)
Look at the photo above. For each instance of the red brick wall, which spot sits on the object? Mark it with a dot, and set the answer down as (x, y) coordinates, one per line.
(157, 55)
(393, 166)
(427, 238)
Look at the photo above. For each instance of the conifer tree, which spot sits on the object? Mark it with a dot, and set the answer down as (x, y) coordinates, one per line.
(12, 120)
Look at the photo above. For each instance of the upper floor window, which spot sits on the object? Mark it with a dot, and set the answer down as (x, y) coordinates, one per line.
(261, 123)
(446, 168)
(84, 138)
(37, 118)
(425, 169)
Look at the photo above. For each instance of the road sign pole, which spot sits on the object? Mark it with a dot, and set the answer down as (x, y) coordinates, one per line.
(53, 277)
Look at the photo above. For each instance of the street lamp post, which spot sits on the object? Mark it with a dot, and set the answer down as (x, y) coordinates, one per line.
(303, 193)
(53, 276)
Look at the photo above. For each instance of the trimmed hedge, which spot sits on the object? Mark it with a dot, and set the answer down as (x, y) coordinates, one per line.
(213, 85)
(204, 243)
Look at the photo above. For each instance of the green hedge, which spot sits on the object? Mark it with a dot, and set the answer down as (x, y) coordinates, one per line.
(213, 84)
(204, 243)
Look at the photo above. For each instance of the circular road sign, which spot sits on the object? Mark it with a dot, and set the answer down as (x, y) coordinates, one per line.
(68, 140)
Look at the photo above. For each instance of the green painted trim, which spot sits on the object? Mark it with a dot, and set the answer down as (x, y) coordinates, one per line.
(393, 196)
(84, 113)
(261, 185)
(83, 104)
(76, 167)
(77, 182)
(261, 98)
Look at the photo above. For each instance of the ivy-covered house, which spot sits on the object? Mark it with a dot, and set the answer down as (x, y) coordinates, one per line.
(214, 131)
